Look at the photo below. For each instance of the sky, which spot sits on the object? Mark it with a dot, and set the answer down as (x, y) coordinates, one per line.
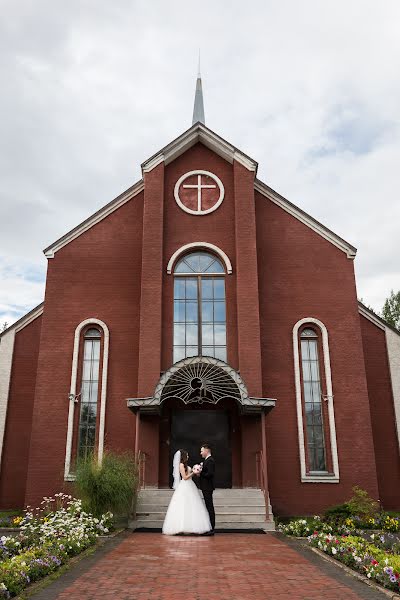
(91, 89)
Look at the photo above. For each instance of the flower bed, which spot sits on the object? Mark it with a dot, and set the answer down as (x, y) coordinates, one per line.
(47, 538)
(362, 555)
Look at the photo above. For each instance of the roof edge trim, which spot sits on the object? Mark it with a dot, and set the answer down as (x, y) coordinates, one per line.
(199, 133)
(305, 218)
(25, 319)
(375, 319)
(95, 218)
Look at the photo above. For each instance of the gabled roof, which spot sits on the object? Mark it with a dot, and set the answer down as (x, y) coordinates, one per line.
(195, 134)
(25, 319)
(199, 133)
(374, 318)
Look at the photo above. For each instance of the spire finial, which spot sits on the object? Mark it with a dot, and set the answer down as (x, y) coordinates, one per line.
(198, 109)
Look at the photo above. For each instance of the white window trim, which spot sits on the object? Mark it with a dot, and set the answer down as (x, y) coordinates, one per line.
(200, 245)
(299, 404)
(68, 476)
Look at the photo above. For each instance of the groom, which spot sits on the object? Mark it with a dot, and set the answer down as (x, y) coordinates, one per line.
(207, 482)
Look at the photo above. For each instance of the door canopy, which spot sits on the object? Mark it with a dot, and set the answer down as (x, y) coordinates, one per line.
(201, 379)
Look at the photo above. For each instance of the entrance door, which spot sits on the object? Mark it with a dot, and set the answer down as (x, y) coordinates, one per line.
(191, 428)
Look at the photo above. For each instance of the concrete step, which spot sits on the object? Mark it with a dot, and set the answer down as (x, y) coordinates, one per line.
(157, 524)
(241, 507)
(224, 517)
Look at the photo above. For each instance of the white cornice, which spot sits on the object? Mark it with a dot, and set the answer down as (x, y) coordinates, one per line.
(293, 210)
(98, 216)
(370, 316)
(199, 133)
(25, 320)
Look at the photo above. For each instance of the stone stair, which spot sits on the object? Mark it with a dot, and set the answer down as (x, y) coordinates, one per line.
(237, 509)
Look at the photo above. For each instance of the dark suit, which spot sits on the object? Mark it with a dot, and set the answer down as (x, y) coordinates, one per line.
(207, 486)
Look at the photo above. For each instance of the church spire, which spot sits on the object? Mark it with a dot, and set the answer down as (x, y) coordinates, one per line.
(198, 109)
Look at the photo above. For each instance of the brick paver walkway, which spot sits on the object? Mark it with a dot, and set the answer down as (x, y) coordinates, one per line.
(150, 566)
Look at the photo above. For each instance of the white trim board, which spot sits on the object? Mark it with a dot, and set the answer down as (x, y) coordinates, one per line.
(98, 216)
(68, 476)
(25, 320)
(199, 133)
(199, 245)
(305, 218)
(304, 477)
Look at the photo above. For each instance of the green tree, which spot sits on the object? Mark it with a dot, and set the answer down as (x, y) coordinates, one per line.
(391, 309)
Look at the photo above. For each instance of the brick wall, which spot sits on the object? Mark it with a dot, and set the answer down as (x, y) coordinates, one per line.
(382, 414)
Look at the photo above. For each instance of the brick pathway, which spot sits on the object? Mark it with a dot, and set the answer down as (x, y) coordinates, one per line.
(150, 566)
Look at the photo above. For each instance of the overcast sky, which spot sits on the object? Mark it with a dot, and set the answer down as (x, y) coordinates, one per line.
(90, 89)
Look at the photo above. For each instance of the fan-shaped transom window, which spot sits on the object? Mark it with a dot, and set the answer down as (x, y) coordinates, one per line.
(199, 307)
(199, 262)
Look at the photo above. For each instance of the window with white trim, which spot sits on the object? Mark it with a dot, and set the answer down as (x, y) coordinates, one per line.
(312, 401)
(199, 307)
(89, 392)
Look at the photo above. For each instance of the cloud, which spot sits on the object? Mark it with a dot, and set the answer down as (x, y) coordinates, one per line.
(93, 88)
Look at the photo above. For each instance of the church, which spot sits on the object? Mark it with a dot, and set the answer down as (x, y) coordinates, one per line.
(199, 306)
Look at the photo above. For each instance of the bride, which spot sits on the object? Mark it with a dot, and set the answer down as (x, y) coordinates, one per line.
(186, 512)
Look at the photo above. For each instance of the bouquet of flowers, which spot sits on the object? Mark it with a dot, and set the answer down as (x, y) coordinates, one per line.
(197, 469)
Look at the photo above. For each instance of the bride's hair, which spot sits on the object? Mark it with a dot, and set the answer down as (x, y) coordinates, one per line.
(184, 459)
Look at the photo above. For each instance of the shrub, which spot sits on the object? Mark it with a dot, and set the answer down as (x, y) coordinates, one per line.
(362, 504)
(338, 512)
(111, 486)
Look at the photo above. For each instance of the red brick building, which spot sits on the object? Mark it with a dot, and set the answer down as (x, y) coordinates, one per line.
(202, 305)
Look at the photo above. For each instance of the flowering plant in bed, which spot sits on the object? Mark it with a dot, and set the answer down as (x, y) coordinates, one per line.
(48, 536)
(361, 555)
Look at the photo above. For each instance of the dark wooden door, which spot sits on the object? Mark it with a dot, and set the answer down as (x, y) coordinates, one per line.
(190, 428)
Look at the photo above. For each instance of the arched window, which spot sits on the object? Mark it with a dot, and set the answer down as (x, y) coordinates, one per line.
(199, 307)
(314, 402)
(89, 392)
(312, 395)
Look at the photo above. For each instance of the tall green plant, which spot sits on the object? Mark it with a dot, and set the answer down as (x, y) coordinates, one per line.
(111, 486)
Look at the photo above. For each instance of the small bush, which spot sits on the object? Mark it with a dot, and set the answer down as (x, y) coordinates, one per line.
(362, 504)
(111, 486)
(338, 512)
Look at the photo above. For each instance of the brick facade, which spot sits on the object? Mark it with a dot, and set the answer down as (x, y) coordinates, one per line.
(283, 271)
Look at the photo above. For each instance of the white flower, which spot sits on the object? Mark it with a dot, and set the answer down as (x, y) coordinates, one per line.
(334, 550)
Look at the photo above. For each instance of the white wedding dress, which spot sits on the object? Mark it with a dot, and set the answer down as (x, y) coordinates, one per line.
(186, 512)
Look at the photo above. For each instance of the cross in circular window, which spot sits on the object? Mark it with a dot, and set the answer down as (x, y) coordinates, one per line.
(202, 193)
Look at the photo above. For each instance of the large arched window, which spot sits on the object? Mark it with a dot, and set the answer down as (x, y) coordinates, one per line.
(199, 307)
(89, 392)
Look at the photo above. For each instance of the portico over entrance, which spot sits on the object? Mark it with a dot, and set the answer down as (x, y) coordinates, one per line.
(203, 399)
